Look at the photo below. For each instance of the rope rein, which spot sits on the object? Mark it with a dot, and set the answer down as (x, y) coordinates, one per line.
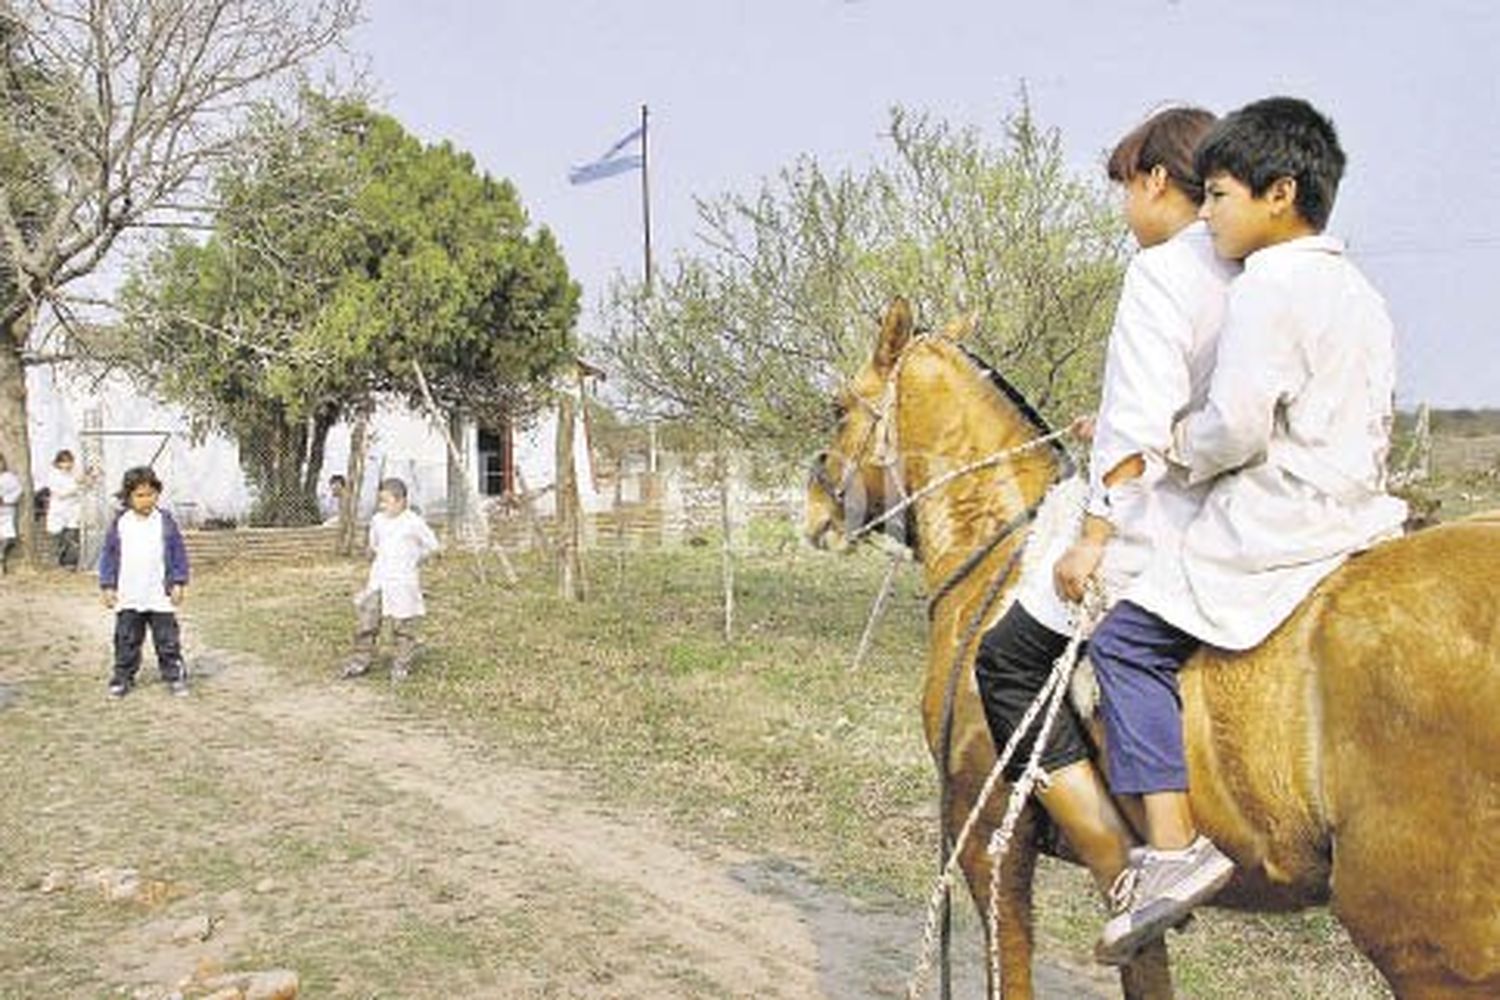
(1051, 696)
(998, 458)
(882, 434)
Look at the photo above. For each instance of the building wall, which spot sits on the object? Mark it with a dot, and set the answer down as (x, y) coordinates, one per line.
(109, 424)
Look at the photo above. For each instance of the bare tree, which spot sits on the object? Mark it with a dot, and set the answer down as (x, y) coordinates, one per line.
(112, 114)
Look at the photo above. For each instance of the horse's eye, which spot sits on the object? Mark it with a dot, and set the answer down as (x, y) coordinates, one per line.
(839, 410)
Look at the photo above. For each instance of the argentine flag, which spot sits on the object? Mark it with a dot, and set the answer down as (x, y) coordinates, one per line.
(612, 162)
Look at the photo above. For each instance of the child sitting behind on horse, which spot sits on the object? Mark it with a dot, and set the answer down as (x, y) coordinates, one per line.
(399, 541)
(143, 570)
(1291, 445)
(1159, 355)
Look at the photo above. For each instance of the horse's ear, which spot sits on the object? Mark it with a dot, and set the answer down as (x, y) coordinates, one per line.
(961, 326)
(895, 331)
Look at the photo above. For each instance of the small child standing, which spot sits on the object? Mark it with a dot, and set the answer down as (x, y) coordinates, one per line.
(399, 541)
(64, 508)
(142, 572)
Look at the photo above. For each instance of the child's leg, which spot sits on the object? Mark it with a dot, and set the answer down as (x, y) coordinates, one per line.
(1136, 656)
(404, 632)
(366, 633)
(67, 554)
(167, 640)
(130, 632)
(5, 549)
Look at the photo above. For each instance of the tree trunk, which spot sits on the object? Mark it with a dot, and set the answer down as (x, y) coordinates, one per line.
(15, 433)
(317, 444)
(354, 481)
(459, 478)
(275, 464)
(569, 531)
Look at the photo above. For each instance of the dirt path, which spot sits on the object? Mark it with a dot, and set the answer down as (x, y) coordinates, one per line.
(324, 828)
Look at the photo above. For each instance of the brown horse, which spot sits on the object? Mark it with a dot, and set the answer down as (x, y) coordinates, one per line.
(1353, 759)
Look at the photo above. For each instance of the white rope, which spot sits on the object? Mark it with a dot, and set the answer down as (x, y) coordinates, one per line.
(996, 459)
(1052, 695)
(1055, 692)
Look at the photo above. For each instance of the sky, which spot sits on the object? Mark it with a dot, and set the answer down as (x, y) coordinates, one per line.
(738, 89)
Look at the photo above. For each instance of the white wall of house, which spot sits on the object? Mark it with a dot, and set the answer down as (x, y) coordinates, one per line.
(106, 424)
(110, 426)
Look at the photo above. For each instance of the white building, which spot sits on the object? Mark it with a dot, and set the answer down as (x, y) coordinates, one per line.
(110, 426)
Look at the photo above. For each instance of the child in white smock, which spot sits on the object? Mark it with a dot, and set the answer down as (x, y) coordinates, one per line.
(399, 541)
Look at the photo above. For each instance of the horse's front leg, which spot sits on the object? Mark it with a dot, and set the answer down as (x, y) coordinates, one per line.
(1016, 941)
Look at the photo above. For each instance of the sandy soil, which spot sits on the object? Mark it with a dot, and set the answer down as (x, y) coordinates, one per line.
(325, 828)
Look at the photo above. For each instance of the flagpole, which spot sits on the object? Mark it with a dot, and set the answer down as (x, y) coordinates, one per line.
(646, 196)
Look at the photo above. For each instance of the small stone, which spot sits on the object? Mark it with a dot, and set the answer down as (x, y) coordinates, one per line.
(116, 883)
(55, 881)
(193, 929)
(275, 984)
(265, 885)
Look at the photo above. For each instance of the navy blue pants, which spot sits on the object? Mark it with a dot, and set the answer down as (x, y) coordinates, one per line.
(130, 634)
(1136, 656)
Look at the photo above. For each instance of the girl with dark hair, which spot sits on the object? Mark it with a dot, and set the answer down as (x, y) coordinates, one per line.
(143, 571)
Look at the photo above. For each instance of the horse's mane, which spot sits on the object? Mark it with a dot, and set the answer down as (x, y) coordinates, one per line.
(1023, 406)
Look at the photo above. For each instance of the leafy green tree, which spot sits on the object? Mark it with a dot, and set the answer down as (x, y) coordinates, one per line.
(345, 253)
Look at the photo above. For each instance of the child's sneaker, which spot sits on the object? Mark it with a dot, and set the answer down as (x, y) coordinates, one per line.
(354, 668)
(118, 689)
(178, 688)
(1158, 890)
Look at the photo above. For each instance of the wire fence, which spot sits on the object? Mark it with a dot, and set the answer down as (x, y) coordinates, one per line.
(233, 505)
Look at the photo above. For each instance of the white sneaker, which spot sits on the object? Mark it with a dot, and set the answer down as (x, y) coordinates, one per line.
(1157, 892)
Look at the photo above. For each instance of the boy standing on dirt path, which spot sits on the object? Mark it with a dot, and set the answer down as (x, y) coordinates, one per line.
(1292, 443)
(399, 541)
(142, 572)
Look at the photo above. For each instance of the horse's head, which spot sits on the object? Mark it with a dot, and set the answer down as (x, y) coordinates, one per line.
(856, 480)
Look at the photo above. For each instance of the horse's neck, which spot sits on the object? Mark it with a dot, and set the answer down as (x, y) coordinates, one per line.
(966, 422)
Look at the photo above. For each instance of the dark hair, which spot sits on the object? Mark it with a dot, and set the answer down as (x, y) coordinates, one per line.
(62, 456)
(394, 487)
(1274, 138)
(140, 475)
(337, 478)
(1167, 140)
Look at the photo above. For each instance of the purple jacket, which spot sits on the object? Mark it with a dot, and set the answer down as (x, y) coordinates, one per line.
(174, 554)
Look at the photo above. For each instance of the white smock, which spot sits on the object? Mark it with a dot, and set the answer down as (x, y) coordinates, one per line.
(400, 543)
(142, 583)
(64, 501)
(1158, 364)
(10, 496)
(1291, 443)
